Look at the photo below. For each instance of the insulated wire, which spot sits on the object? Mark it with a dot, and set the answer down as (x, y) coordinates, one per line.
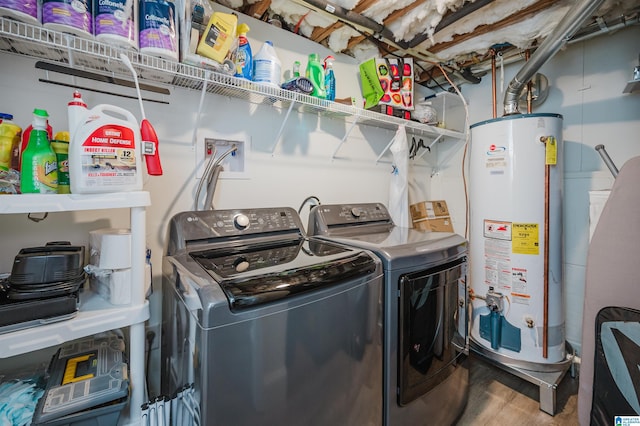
(306, 200)
(466, 147)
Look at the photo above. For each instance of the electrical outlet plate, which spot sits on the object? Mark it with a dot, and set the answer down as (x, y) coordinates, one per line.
(234, 166)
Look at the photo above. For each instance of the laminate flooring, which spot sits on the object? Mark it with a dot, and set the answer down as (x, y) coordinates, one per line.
(497, 397)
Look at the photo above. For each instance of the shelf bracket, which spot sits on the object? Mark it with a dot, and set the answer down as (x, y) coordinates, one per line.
(386, 148)
(356, 118)
(286, 117)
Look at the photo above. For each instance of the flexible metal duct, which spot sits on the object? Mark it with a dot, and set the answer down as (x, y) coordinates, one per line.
(554, 42)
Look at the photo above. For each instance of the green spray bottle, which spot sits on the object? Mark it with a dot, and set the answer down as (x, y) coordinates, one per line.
(39, 166)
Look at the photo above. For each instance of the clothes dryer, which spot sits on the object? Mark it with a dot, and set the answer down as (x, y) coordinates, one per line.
(268, 327)
(425, 367)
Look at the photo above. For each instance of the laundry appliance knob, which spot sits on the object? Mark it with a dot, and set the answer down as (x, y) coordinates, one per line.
(241, 221)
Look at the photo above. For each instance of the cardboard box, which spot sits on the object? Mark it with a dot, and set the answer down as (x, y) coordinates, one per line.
(428, 209)
(431, 216)
(441, 224)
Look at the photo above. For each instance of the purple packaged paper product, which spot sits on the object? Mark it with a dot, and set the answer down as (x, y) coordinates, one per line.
(114, 22)
(21, 10)
(158, 35)
(69, 16)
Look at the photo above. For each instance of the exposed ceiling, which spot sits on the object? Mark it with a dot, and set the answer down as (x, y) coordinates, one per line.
(459, 35)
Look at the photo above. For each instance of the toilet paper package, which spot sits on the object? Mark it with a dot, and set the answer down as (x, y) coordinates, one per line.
(68, 16)
(114, 285)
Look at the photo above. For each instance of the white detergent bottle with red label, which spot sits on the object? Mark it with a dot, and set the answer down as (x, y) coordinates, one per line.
(105, 153)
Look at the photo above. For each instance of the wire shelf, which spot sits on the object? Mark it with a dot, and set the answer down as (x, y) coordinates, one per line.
(39, 42)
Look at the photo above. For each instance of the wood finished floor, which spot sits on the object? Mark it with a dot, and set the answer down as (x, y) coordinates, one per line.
(500, 398)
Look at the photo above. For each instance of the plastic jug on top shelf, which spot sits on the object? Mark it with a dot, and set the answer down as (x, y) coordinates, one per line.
(267, 66)
(315, 73)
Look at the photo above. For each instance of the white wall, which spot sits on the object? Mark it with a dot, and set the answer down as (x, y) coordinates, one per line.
(586, 83)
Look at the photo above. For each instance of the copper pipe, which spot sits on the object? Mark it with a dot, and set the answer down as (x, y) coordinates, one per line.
(545, 312)
(527, 55)
(493, 84)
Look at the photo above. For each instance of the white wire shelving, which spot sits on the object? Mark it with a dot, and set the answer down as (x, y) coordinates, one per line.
(88, 54)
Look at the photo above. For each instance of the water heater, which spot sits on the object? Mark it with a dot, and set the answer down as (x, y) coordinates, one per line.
(515, 239)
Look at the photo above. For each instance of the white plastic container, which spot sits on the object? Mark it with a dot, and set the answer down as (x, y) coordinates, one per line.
(105, 152)
(110, 248)
(267, 66)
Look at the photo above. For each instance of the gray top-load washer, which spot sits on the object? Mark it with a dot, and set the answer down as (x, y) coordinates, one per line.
(425, 310)
(267, 326)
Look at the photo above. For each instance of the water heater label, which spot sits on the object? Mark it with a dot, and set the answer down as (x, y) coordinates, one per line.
(496, 159)
(519, 289)
(551, 151)
(497, 254)
(526, 238)
(497, 229)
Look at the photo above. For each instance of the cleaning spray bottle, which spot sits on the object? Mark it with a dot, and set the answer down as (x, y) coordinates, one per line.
(27, 133)
(315, 73)
(39, 167)
(329, 78)
(76, 111)
(244, 57)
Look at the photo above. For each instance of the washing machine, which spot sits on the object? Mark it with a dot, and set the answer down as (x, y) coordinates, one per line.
(265, 326)
(426, 345)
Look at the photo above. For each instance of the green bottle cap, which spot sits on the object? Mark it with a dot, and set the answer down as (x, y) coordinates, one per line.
(41, 113)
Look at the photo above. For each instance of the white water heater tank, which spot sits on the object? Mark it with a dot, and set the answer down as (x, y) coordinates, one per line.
(514, 161)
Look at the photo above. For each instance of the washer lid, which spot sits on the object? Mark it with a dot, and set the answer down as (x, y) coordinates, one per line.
(255, 274)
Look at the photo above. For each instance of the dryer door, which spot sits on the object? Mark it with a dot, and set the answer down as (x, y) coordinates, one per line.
(427, 328)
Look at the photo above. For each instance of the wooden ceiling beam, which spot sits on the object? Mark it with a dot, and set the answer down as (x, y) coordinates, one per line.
(397, 14)
(320, 34)
(258, 9)
(487, 28)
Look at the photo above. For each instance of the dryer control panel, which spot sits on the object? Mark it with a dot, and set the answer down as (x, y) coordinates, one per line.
(325, 216)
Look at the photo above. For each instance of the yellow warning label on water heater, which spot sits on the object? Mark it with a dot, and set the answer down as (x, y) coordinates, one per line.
(525, 238)
(551, 151)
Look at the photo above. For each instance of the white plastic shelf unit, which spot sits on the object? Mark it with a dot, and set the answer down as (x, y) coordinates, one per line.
(95, 314)
(39, 42)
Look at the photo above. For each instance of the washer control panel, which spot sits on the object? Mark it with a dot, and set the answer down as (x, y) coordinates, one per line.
(209, 225)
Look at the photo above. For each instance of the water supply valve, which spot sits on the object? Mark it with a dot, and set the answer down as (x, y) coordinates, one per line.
(495, 328)
(494, 300)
